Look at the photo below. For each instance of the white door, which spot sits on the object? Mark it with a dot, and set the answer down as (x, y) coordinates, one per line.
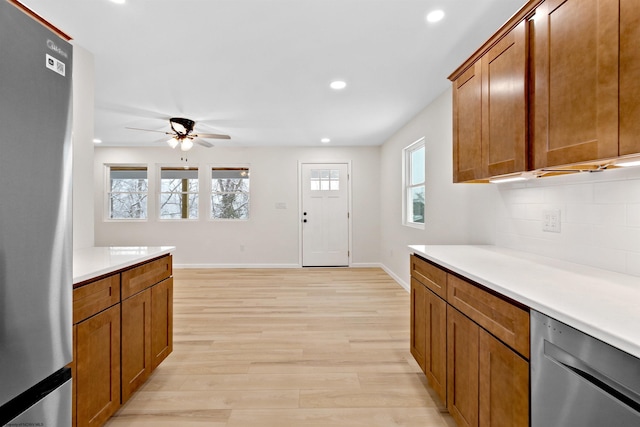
(325, 215)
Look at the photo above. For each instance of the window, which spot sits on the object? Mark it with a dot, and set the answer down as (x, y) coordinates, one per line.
(127, 196)
(325, 180)
(179, 193)
(230, 193)
(414, 183)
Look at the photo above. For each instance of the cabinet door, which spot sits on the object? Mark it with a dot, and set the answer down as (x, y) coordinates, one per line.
(629, 76)
(462, 368)
(467, 125)
(136, 342)
(435, 363)
(504, 107)
(98, 367)
(504, 385)
(161, 321)
(418, 322)
(576, 81)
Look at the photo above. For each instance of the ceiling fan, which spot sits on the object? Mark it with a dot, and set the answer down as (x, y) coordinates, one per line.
(182, 134)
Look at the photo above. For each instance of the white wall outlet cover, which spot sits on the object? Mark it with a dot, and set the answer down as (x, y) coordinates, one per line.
(551, 220)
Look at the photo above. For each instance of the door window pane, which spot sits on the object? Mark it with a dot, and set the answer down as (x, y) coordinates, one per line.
(325, 180)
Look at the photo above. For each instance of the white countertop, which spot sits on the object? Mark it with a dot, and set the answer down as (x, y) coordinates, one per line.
(89, 263)
(601, 303)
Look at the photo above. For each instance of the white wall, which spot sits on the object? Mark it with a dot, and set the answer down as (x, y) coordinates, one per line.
(270, 237)
(83, 111)
(600, 218)
(454, 213)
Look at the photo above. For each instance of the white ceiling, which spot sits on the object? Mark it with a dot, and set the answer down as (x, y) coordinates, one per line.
(259, 70)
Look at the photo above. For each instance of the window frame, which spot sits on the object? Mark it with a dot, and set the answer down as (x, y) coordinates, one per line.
(159, 192)
(407, 186)
(209, 172)
(108, 192)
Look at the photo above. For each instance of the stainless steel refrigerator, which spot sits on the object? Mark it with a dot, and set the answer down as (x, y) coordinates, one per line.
(35, 223)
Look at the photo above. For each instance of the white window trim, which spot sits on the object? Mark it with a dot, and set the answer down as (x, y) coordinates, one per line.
(406, 170)
(158, 193)
(106, 187)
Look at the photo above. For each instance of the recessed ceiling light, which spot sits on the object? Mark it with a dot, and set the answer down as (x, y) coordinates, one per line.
(435, 16)
(338, 84)
(97, 141)
(325, 140)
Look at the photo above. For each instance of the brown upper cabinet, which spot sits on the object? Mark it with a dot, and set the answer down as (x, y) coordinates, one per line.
(629, 77)
(490, 111)
(576, 81)
(504, 104)
(557, 85)
(467, 128)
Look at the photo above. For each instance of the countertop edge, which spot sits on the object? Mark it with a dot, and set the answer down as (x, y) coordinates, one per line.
(93, 262)
(606, 325)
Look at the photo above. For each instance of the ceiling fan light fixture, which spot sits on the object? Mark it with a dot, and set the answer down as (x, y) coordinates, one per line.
(181, 125)
(186, 144)
(173, 142)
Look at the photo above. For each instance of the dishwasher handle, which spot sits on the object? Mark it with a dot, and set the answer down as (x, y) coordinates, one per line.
(608, 385)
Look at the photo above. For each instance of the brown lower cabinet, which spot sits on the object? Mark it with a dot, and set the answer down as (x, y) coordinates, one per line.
(97, 376)
(119, 342)
(161, 321)
(482, 379)
(462, 368)
(136, 342)
(504, 384)
(147, 334)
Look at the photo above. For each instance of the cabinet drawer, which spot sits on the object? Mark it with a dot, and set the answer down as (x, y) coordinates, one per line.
(503, 319)
(430, 276)
(140, 278)
(95, 297)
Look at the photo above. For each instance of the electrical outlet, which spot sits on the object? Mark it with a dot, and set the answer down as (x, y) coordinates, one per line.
(551, 220)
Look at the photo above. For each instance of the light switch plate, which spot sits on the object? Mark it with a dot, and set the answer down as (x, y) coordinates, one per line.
(551, 220)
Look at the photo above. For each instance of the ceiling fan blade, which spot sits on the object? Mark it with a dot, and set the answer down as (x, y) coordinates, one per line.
(150, 130)
(211, 135)
(132, 111)
(203, 143)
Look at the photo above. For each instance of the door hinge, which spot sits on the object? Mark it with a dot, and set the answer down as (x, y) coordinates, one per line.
(348, 215)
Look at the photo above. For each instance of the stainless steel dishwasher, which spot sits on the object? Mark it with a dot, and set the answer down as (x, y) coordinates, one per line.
(577, 380)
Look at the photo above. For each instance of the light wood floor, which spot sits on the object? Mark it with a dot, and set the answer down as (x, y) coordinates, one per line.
(290, 347)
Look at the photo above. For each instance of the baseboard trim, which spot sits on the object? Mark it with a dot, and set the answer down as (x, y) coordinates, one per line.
(395, 277)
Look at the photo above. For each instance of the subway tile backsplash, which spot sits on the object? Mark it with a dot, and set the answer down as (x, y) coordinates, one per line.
(599, 218)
